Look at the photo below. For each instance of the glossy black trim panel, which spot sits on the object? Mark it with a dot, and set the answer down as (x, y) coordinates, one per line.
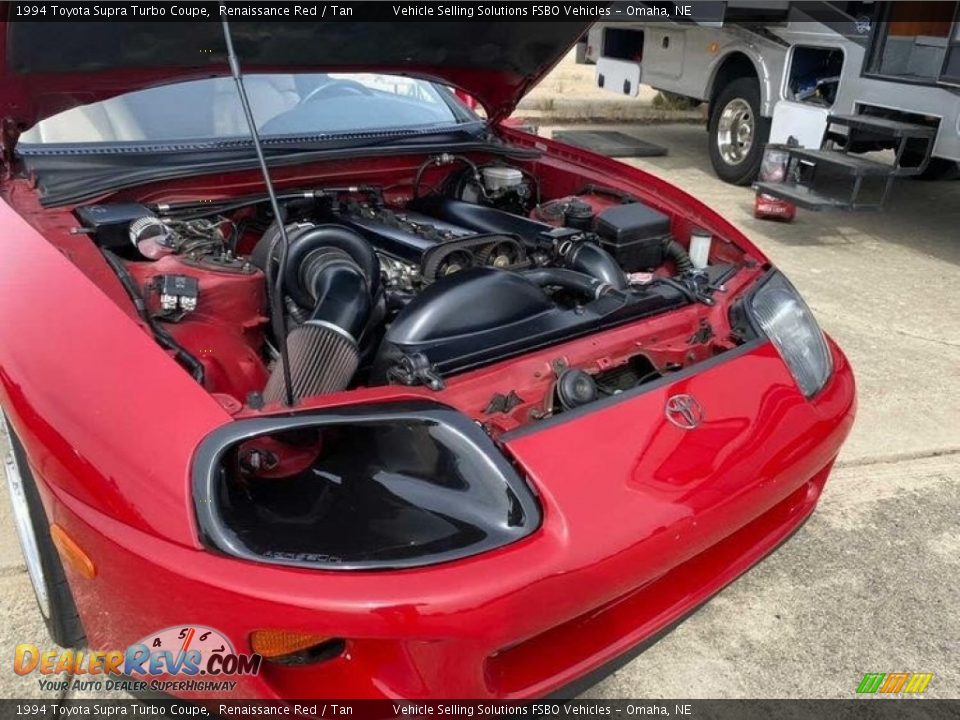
(460, 436)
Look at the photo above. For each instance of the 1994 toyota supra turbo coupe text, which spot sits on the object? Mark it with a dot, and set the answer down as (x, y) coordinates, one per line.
(465, 413)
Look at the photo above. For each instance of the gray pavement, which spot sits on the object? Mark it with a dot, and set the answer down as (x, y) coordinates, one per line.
(870, 584)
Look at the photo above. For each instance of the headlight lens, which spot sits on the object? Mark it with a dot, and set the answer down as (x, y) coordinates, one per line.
(784, 317)
(378, 487)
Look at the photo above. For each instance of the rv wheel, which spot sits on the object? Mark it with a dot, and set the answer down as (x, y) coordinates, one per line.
(738, 132)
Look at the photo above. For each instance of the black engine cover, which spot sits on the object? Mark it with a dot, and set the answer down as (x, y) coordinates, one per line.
(404, 235)
(433, 244)
(480, 218)
(483, 315)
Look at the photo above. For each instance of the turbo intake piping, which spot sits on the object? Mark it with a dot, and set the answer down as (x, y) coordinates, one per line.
(578, 282)
(593, 260)
(334, 271)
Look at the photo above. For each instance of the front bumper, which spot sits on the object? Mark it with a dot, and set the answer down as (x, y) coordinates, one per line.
(643, 521)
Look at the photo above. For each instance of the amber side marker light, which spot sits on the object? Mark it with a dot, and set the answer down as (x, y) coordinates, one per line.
(293, 648)
(72, 553)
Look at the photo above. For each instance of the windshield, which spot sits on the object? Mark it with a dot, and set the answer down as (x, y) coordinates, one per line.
(296, 105)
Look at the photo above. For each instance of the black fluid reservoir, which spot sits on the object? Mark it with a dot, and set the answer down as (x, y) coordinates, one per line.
(578, 215)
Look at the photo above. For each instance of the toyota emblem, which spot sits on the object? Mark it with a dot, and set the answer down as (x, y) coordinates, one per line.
(684, 411)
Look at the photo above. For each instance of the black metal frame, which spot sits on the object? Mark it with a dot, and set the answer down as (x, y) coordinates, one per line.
(464, 438)
(875, 46)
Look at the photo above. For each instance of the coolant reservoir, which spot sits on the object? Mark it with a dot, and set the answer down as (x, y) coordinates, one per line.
(700, 241)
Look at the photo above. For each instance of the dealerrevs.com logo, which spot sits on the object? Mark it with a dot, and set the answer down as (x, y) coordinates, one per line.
(182, 658)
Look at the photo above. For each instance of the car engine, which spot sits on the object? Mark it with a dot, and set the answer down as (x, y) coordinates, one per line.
(370, 289)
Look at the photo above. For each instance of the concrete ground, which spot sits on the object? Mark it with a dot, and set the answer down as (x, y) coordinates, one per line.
(870, 584)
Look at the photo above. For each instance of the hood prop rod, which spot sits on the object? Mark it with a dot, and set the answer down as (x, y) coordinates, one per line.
(276, 297)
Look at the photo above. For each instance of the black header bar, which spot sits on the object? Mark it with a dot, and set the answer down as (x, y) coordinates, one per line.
(702, 11)
(706, 12)
(853, 709)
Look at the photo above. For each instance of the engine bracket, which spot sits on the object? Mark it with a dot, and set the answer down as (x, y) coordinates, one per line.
(415, 369)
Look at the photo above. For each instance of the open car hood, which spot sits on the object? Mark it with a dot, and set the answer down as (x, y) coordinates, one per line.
(51, 67)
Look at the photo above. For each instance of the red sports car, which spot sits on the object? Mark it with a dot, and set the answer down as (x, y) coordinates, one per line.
(471, 413)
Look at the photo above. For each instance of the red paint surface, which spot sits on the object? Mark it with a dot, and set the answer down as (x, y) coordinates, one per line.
(642, 520)
(628, 500)
(230, 322)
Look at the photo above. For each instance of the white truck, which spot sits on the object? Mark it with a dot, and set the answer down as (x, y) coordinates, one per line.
(834, 80)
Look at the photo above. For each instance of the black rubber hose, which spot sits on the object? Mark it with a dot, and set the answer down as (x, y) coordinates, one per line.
(163, 338)
(676, 252)
(591, 259)
(418, 178)
(570, 280)
(678, 286)
(341, 293)
(439, 161)
(193, 210)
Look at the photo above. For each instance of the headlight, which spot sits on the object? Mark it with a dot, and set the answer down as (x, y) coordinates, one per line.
(377, 487)
(782, 315)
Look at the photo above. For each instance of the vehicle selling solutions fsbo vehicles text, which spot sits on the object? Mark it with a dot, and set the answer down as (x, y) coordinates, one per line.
(534, 10)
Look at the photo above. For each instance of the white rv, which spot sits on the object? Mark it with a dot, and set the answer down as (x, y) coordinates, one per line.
(834, 80)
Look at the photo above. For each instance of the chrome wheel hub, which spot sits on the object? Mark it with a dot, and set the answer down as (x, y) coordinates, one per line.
(21, 519)
(735, 131)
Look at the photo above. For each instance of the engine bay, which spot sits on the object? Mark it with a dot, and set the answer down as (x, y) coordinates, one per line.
(469, 264)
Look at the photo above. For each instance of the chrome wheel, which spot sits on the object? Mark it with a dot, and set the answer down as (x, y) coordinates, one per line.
(735, 131)
(24, 524)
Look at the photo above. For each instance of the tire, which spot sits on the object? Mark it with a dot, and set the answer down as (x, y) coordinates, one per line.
(735, 152)
(50, 586)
